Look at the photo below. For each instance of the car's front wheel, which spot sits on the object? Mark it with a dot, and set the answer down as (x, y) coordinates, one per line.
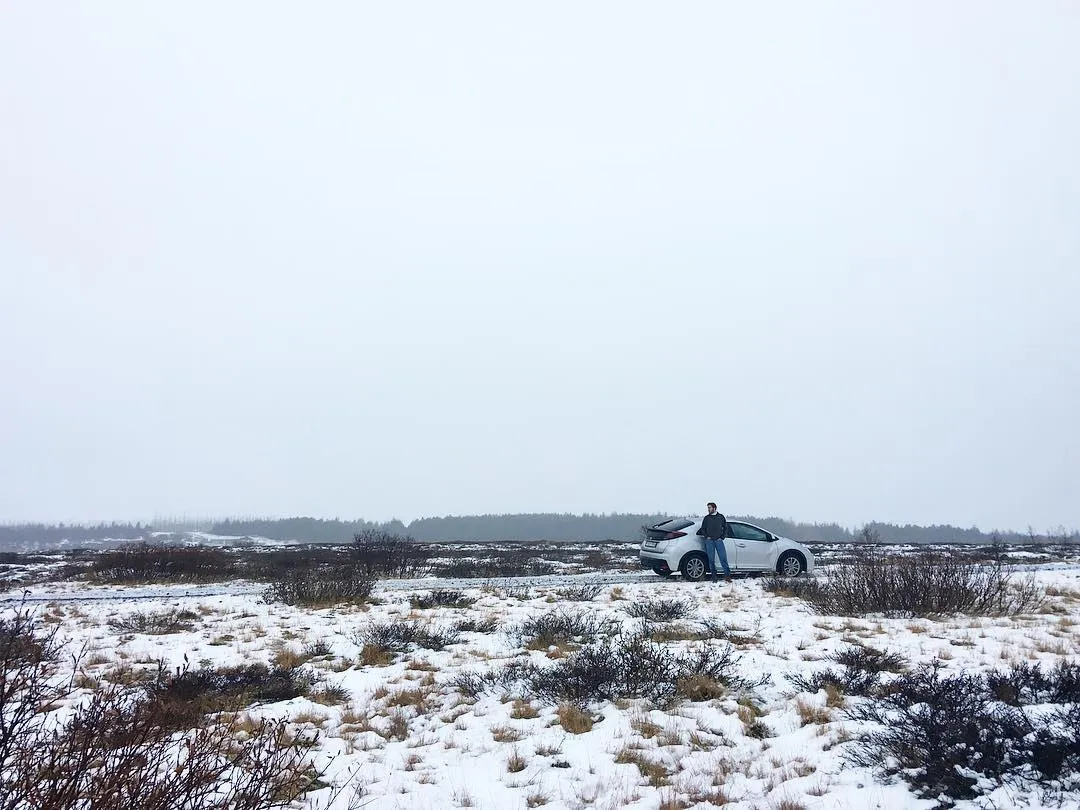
(693, 567)
(790, 564)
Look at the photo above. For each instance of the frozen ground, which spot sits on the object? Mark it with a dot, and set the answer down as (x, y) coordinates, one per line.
(450, 752)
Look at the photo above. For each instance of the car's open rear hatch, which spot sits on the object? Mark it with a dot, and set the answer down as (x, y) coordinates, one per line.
(668, 529)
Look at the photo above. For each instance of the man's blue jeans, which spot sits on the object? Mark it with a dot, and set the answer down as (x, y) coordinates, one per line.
(715, 549)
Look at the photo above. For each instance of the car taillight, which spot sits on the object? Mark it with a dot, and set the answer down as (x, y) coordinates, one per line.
(673, 535)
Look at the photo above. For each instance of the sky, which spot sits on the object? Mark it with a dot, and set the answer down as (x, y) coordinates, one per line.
(818, 261)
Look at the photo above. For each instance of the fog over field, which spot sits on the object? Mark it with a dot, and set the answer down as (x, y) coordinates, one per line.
(396, 262)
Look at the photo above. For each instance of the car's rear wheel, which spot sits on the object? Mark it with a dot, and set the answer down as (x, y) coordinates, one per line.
(790, 564)
(693, 567)
(664, 572)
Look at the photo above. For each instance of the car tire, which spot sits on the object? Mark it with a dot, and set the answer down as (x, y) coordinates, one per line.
(790, 564)
(663, 572)
(693, 567)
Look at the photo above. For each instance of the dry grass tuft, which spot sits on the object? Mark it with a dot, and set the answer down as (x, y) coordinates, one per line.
(645, 727)
(834, 697)
(809, 714)
(655, 772)
(410, 697)
(700, 688)
(288, 658)
(670, 800)
(372, 655)
(507, 734)
(515, 763)
(573, 719)
(537, 799)
(523, 710)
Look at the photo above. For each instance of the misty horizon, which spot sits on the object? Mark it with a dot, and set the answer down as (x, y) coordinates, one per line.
(205, 522)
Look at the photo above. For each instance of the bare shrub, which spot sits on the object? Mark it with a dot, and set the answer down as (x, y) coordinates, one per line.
(160, 623)
(660, 610)
(144, 562)
(1028, 684)
(399, 637)
(628, 666)
(558, 628)
(867, 659)
(330, 695)
(119, 749)
(923, 584)
(515, 562)
(181, 698)
(343, 584)
(441, 598)
(953, 736)
(580, 593)
(384, 555)
(319, 648)
(474, 684)
(798, 587)
(485, 625)
(861, 674)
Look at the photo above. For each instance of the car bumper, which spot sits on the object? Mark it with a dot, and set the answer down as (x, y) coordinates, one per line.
(652, 562)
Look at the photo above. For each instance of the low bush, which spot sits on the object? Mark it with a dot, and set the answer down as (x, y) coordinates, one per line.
(660, 610)
(626, 667)
(160, 623)
(1028, 684)
(485, 625)
(194, 692)
(580, 593)
(145, 562)
(400, 637)
(122, 748)
(558, 628)
(922, 584)
(441, 598)
(384, 555)
(951, 737)
(504, 564)
(861, 674)
(341, 585)
(799, 587)
(319, 648)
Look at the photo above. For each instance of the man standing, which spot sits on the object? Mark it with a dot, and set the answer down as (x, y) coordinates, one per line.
(714, 530)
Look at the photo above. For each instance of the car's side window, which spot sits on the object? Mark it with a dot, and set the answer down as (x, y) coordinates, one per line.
(740, 531)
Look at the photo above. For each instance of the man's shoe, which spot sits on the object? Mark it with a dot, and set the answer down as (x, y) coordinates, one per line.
(727, 577)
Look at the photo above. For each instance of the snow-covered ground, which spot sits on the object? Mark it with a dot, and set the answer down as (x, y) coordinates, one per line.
(489, 753)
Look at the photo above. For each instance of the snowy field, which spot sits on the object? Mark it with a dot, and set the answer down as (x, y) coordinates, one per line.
(407, 738)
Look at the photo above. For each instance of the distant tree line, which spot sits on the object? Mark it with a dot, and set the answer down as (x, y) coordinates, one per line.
(303, 529)
(600, 527)
(33, 536)
(486, 528)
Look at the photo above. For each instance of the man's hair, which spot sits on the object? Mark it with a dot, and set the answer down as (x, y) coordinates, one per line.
(710, 503)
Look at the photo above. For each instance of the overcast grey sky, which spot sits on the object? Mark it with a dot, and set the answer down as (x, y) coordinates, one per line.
(813, 260)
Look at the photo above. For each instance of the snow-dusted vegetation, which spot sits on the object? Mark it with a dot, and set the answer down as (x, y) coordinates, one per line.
(561, 691)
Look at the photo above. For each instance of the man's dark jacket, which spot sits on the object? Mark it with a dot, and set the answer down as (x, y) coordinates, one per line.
(713, 527)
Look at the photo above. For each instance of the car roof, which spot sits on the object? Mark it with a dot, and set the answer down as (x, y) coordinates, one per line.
(693, 519)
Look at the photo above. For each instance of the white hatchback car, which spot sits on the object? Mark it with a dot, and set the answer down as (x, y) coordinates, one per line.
(673, 545)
